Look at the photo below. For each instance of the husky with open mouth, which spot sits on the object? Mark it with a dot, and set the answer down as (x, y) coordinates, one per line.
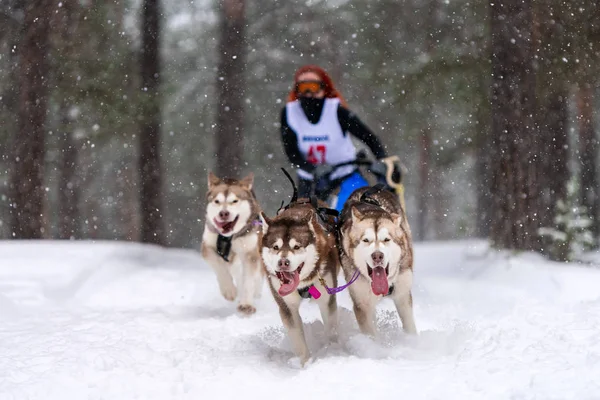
(374, 237)
(298, 250)
(232, 234)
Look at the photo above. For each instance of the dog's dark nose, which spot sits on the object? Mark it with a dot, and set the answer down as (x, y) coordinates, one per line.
(377, 257)
(224, 214)
(283, 263)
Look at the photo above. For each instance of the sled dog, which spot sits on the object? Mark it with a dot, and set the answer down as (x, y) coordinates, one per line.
(231, 237)
(374, 237)
(298, 248)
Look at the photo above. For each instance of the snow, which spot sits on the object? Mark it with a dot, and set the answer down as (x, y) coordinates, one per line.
(115, 320)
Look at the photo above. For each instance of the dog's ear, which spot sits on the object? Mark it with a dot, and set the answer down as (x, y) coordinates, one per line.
(397, 219)
(265, 222)
(213, 180)
(248, 181)
(356, 215)
(312, 223)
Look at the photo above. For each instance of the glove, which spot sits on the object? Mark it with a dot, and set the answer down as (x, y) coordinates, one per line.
(397, 174)
(321, 177)
(321, 170)
(379, 168)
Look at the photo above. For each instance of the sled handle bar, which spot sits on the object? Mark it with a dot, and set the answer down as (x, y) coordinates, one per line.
(388, 161)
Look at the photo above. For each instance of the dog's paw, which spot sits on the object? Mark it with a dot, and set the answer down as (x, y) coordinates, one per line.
(229, 292)
(247, 309)
(300, 362)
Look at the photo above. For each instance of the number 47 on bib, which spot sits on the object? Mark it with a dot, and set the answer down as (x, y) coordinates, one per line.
(316, 154)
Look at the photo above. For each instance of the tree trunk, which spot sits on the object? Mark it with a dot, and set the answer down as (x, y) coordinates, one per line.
(514, 153)
(231, 86)
(424, 170)
(68, 192)
(130, 215)
(589, 152)
(8, 128)
(425, 160)
(151, 208)
(27, 184)
(483, 171)
(554, 174)
(69, 221)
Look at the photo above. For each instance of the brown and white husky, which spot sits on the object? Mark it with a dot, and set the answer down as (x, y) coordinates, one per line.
(374, 237)
(231, 238)
(298, 248)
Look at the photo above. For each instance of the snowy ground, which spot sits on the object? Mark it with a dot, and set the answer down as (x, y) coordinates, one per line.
(126, 321)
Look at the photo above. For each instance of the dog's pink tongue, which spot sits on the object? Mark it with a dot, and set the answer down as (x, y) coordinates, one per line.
(293, 281)
(379, 281)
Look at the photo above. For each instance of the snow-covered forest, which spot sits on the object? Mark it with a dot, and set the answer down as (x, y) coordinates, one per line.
(118, 253)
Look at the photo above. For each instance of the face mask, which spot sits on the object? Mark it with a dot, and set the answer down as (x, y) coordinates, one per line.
(312, 107)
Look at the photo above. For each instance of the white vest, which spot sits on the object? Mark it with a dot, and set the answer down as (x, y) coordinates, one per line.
(323, 142)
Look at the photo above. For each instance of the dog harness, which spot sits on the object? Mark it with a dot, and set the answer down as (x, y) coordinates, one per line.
(366, 196)
(224, 246)
(312, 291)
(304, 292)
(224, 242)
(322, 212)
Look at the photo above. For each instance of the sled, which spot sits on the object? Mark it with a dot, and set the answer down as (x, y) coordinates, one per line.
(374, 171)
